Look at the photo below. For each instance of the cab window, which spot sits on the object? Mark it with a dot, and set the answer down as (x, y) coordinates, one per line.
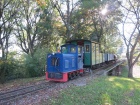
(73, 49)
(64, 50)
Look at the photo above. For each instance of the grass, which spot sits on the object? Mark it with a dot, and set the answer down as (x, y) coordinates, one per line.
(102, 91)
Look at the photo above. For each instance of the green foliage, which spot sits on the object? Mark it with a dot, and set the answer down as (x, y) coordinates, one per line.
(110, 43)
(35, 65)
(89, 4)
(11, 68)
(81, 24)
(7, 68)
(50, 30)
(23, 66)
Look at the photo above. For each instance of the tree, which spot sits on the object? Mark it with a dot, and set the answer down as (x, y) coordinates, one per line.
(51, 30)
(102, 18)
(131, 24)
(26, 29)
(105, 19)
(92, 10)
(8, 11)
(66, 13)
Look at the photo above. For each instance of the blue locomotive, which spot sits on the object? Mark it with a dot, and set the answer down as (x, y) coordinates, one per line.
(74, 56)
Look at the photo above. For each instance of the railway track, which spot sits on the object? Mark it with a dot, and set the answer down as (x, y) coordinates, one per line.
(105, 69)
(10, 96)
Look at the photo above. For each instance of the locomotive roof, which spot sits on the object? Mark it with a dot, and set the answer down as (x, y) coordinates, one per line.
(67, 44)
(76, 40)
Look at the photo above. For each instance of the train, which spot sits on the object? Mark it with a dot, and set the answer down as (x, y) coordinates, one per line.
(74, 57)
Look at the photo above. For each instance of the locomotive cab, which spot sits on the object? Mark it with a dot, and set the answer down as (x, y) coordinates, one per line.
(74, 49)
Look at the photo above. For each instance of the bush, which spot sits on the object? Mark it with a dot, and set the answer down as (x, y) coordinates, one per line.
(7, 68)
(23, 66)
(35, 65)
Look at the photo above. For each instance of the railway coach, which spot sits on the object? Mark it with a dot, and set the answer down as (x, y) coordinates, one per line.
(74, 56)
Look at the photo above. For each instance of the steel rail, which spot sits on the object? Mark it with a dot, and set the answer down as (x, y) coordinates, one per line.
(13, 95)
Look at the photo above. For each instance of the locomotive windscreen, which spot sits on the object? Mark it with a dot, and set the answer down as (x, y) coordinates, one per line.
(55, 61)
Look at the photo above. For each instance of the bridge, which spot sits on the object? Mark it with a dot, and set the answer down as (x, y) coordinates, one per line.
(112, 69)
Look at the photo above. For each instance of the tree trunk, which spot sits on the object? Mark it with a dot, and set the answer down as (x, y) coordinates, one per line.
(130, 68)
(2, 49)
(68, 20)
(130, 72)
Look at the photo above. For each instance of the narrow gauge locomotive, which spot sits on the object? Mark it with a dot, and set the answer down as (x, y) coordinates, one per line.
(74, 56)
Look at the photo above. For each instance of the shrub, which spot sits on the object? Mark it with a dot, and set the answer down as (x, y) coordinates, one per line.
(7, 68)
(23, 66)
(35, 65)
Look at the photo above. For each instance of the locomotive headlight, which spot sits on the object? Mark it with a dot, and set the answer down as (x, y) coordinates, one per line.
(53, 53)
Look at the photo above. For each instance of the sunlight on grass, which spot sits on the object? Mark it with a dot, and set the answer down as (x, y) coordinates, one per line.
(102, 91)
(128, 79)
(111, 79)
(106, 100)
(118, 85)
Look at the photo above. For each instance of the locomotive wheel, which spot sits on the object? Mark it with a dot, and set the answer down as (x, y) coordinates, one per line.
(81, 74)
(76, 74)
(69, 76)
(73, 74)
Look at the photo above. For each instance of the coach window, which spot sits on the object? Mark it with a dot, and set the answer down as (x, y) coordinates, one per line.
(93, 48)
(87, 48)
